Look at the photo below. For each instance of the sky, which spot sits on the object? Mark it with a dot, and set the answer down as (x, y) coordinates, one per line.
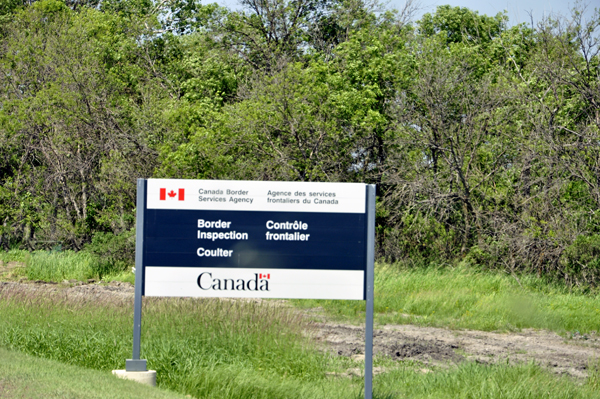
(518, 10)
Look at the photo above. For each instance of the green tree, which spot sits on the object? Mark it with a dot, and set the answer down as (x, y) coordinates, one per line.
(67, 120)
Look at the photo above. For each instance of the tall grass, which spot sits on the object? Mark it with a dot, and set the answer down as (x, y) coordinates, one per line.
(222, 349)
(58, 266)
(476, 381)
(14, 255)
(459, 297)
(67, 265)
(467, 298)
(226, 348)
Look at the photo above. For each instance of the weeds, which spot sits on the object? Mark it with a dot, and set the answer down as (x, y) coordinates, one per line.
(593, 380)
(67, 265)
(237, 349)
(465, 298)
(14, 255)
(219, 340)
(58, 266)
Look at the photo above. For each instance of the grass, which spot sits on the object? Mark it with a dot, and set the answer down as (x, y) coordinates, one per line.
(243, 349)
(206, 348)
(466, 298)
(59, 266)
(456, 298)
(239, 350)
(64, 265)
(14, 255)
(26, 376)
(476, 381)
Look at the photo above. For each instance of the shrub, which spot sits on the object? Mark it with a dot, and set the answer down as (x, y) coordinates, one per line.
(115, 253)
(580, 261)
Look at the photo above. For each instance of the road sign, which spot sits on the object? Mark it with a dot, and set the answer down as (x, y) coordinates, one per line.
(254, 239)
(247, 239)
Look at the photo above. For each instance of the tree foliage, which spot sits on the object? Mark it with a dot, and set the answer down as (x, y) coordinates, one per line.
(482, 138)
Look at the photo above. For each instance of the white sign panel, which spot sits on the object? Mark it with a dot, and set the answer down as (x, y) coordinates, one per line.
(254, 283)
(273, 196)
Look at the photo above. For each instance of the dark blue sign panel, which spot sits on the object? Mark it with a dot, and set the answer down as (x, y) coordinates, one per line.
(333, 241)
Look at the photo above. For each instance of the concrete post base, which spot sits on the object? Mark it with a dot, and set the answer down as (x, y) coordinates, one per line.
(143, 377)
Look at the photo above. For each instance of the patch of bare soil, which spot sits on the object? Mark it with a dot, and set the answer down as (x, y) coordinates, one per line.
(443, 347)
(427, 345)
(73, 288)
(6, 388)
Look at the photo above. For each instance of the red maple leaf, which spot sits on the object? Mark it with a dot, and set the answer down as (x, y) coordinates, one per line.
(171, 193)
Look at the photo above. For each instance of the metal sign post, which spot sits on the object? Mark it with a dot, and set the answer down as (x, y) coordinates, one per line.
(135, 363)
(370, 291)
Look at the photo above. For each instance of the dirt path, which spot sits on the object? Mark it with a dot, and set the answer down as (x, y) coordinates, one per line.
(428, 345)
(439, 346)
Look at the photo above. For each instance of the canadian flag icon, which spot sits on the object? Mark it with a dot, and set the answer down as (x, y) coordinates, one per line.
(180, 194)
(267, 276)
